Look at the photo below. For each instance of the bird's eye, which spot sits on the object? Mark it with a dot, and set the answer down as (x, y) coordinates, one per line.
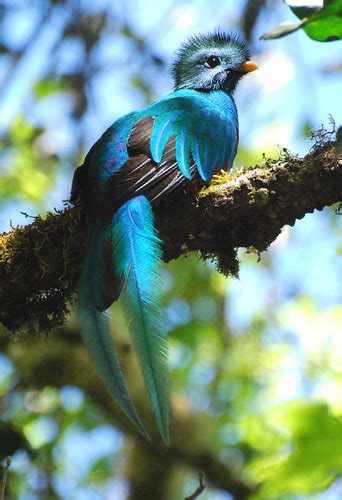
(212, 62)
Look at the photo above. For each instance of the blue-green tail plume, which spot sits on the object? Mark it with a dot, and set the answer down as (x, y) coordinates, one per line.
(95, 327)
(136, 255)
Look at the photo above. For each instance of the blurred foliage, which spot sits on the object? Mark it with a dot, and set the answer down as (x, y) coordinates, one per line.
(303, 468)
(262, 358)
(235, 376)
(21, 153)
(322, 24)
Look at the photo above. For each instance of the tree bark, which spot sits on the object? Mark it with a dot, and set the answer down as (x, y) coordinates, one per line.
(40, 263)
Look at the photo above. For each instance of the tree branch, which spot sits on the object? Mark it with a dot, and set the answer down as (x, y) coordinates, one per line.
(40, 263)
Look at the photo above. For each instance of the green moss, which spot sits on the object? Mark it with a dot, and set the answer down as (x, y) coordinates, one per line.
(52, 250)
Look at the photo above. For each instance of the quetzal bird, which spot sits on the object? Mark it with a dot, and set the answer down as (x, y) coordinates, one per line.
(144, 156)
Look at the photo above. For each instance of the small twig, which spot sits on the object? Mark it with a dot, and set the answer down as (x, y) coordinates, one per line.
(28, 216)
(4, 476)
(199, 489)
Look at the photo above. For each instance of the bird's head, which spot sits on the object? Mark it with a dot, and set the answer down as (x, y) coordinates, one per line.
(212, 62)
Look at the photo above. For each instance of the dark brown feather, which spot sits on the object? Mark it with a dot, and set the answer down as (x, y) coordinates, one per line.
(139, 139)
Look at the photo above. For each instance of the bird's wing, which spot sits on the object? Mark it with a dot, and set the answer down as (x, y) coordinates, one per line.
(140, 174)
(203, 133)
(179, 140)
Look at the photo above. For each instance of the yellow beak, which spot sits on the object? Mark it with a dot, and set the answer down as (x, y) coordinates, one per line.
(247, 67)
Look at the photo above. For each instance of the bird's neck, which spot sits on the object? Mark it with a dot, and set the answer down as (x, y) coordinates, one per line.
(223, 100)
(220, 97)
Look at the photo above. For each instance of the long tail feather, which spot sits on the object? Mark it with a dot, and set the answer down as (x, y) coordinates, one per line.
(95, 329)
(136, 254)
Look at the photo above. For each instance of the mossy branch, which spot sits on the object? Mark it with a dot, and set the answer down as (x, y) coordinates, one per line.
(40, 263)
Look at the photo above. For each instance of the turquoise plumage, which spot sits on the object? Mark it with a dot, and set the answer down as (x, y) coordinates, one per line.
(145, 155)
(137, 250)
(96, 330)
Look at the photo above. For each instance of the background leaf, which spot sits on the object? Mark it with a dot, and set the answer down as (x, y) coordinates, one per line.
(323, 25)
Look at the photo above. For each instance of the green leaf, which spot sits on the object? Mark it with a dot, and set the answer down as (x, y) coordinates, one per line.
(312, 457)
(326, 24)
(323, 25)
